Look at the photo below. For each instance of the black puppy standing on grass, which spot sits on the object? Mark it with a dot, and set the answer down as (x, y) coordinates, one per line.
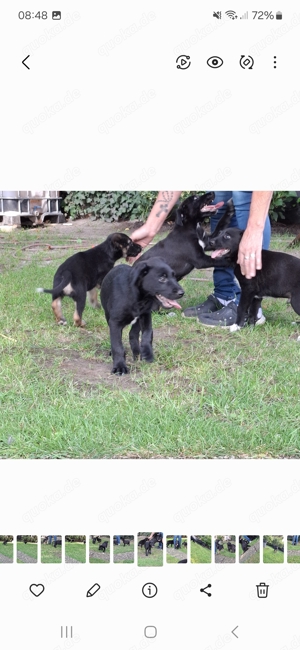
(278, 278)
(84, 272)
(183, 248)
(127, 296)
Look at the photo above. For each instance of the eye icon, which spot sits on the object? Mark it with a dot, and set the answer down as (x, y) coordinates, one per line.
(215, 62)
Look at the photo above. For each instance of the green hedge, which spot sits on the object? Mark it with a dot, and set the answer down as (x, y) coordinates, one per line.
(122, 206)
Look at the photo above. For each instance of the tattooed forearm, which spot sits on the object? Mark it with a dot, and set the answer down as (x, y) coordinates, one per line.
(164, 203)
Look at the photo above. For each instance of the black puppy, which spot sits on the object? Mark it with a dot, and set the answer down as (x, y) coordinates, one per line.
(84, 272)
(125, 541)
(148, 547)
(127, 296)
(278, 278)
(103, 546)
(183, 248)
(57, 542)
(244, 544)
(170, 542)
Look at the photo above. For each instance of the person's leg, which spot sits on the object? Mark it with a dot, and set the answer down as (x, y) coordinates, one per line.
(226, 290)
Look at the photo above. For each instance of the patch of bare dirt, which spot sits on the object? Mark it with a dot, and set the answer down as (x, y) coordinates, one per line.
(86, 372)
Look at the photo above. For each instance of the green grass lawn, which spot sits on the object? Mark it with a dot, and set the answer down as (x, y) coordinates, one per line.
(7, 550)
(293, 559)
(50, 555)
(200, 554)
(29, 549)
(211, 393)
(76, 551)
(269, 557)
(122, 550)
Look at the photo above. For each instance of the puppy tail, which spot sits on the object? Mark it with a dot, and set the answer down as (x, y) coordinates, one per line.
(41, 290)
(56, 291)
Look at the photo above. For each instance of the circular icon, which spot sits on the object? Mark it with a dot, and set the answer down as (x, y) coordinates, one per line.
(149, 590)
(215, 62)
(246, 62)
(183, 62)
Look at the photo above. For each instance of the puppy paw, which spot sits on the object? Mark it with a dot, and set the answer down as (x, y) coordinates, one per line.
(147, 357)
(62, 321)
(120, 369)
(234, 328)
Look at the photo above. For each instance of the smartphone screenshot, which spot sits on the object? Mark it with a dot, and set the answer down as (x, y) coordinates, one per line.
(150, 325)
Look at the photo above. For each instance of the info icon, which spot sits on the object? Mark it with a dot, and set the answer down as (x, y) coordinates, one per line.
(56, 15)
(149, 590)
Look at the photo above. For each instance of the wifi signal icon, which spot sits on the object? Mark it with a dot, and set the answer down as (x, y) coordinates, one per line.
(231, 14)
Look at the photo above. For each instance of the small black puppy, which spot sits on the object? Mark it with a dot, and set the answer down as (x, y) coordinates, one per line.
(127, 296)
(278, 278)
(103, 546)
(84, 272)
(183, 248)
(170, 542)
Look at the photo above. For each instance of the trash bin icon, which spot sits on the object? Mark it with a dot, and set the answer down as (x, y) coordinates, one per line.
(262, 590)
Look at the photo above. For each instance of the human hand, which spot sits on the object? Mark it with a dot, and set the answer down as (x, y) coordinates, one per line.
(249, 255)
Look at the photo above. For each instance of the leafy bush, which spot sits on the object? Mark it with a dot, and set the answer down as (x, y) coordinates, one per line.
(282, 201)
(122, 206)
(109, 206)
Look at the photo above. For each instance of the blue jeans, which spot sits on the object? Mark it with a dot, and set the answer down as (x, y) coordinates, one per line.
(246, 538)
(50, 538)
(177, 538)
(118, 539)
(225, 285)
(295, 539)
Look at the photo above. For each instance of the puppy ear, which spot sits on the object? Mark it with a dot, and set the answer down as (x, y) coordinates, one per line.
(140, 269)
(225, 220)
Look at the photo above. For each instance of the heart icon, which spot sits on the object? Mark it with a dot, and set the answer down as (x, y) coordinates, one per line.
(36, 590)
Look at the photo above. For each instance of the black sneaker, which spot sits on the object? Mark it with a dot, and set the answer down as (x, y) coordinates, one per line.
(224, 317)
(211, 304)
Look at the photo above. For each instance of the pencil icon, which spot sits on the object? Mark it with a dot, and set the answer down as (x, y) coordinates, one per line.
(93, 590)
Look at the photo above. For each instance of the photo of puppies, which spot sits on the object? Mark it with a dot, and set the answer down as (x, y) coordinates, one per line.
(123, 549)
(150, 549)
(249, 551)
(75, 549)
(27, 549)
(51, 549)
(201, 549)
(293, 549)
(6, 549)
(273, 549)
(225, 549)
(176, 549)
(99, 549)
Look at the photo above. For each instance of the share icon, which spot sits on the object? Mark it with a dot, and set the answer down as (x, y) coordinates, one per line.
(204, 590)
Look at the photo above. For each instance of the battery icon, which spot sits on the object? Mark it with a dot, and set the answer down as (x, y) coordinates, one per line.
(278, 15)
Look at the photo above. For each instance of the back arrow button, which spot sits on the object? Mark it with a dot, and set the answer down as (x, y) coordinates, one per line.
(26, 66)
(233, 631)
